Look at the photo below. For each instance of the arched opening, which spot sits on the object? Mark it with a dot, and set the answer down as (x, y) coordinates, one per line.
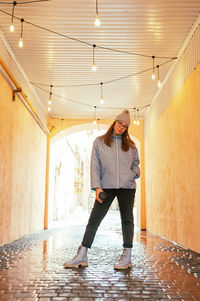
(69, 176)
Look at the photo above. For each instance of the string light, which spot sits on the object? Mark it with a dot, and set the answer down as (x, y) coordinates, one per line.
(153, 74)
(138, 122)
(81, 41)
(94, 84)
(94, 67)
(94, 46)
(62, 126)
(159, 83)
(97, 20)
(95, 121)
(12, 28)
(86, 104)
(50, 101)
(21, 40)
(101, 99)
(134, 117)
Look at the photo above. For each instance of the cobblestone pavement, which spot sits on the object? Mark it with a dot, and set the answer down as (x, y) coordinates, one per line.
(31, 268)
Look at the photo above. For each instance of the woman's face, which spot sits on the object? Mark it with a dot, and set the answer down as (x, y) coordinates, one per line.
(120, 127)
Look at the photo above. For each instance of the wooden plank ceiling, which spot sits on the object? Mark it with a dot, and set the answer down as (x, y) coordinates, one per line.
(146, 27)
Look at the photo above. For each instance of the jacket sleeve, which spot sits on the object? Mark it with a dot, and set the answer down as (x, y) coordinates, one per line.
(95, 167)
(136, 161)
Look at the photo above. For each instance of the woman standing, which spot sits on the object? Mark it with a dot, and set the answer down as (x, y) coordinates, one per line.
(114, 168)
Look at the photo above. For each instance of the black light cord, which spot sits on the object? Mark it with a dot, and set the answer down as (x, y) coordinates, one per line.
(18, 3)
(86, 43)
(27, 2)
(68, 99)
(22, 23)
(87, 105)
(14, 4)
(97, 12)
(107, 82)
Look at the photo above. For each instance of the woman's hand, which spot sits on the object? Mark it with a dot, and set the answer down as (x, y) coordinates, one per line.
(98, 190)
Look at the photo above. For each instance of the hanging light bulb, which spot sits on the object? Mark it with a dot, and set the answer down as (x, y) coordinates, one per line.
(97, 20)
(153, 74)
(95, 120)
(12, 28)
(159, 82)
(101, 99)
(20, 43)
(62, 126)
(21, 40)
(138, 116)
(94, 67)
(50, 101)
(98, 124)
(134, 121)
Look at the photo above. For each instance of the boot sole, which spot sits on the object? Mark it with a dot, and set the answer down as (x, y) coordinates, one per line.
(125, 267)
(76, 265)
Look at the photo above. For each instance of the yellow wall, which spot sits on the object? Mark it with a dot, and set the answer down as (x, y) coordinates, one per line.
(22, 169)
(56, 125)
(172, 157)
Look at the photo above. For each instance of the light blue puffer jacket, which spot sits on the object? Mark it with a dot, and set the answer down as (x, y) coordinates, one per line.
(111, 167)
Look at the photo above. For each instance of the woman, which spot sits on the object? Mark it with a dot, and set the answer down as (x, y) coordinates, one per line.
(114, 168)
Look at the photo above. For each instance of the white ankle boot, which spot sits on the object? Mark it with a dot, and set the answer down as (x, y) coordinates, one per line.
(79, 260)
(125, 260)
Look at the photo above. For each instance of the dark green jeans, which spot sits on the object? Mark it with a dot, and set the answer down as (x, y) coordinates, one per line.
(125, 199)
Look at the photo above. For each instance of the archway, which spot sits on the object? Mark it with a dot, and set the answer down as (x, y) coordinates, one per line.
(76, 191)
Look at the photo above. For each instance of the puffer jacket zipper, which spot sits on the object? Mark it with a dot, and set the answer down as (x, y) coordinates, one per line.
(117, 156)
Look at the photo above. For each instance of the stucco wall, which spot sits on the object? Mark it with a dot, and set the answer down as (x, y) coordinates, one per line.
(22, 169)
(172, 158)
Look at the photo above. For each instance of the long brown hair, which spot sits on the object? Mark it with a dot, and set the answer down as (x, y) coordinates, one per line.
(126, 140)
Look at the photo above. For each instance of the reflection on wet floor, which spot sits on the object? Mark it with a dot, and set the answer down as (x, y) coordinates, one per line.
(31, 268)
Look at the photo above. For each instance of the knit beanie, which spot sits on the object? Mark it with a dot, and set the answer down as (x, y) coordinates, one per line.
(124, 116)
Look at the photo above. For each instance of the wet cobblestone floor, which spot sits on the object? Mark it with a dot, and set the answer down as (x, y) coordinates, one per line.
(32, 268)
